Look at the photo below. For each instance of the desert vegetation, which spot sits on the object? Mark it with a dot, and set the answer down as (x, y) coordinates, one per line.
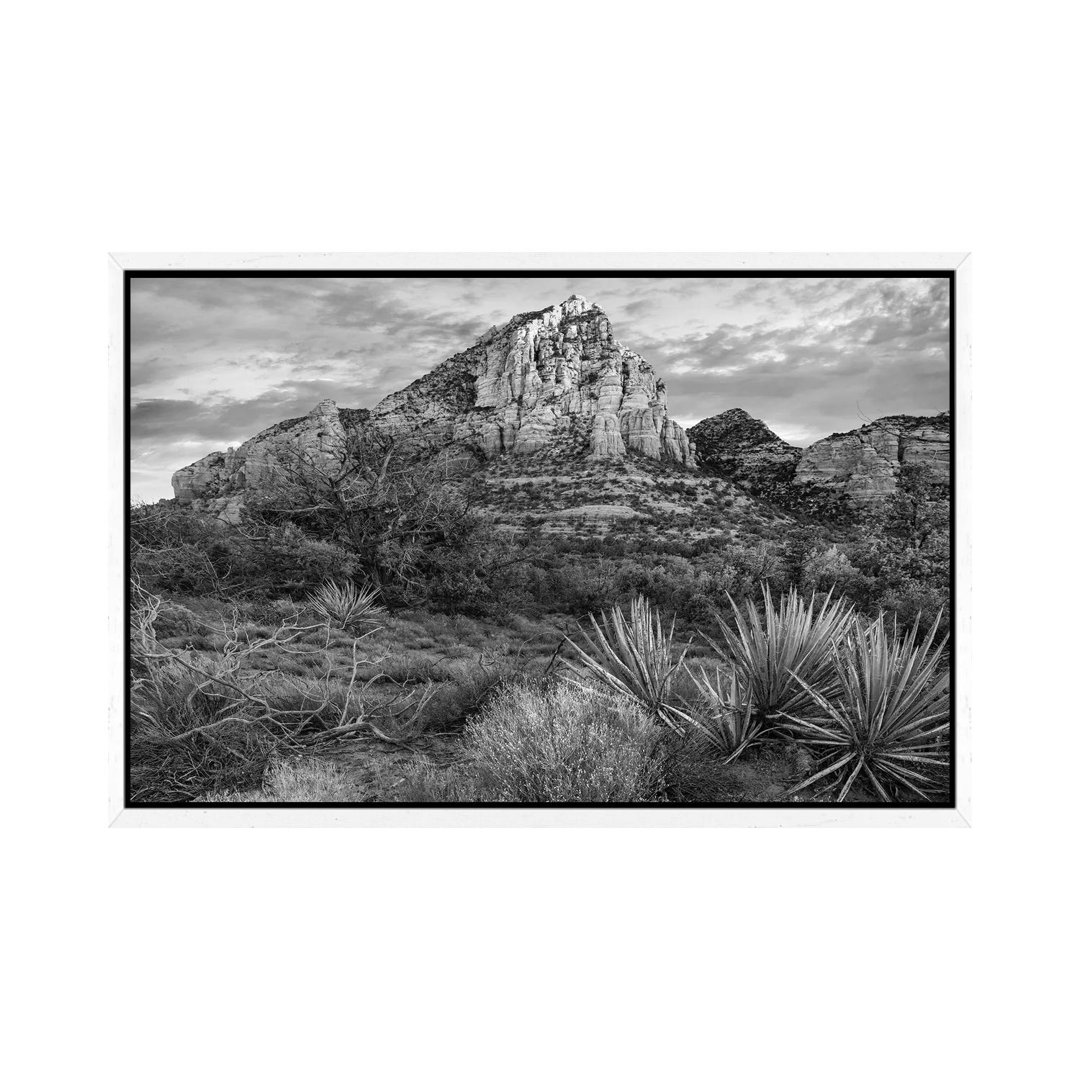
(372, 630)
(286, 690)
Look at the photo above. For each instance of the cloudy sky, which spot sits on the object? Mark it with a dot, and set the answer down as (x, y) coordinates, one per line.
(215, 360)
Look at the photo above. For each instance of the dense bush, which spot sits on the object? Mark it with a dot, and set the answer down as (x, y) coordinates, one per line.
(551, 743)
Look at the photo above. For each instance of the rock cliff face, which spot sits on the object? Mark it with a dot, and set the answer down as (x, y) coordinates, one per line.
(744, 450)
(866, 463)
(553, 381)
(217, 482)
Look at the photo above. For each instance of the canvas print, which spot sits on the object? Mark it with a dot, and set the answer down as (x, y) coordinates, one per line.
(540, 539)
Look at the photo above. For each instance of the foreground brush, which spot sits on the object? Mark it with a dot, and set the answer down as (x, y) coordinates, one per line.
(887, 720)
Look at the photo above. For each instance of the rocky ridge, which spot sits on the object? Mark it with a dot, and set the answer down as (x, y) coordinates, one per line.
(554, 381)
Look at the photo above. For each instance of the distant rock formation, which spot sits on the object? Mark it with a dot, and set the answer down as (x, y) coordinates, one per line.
(553, 381)
(742, 449)
(865, 464)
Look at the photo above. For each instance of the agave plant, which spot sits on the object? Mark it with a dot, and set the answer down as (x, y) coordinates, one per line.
(732, 723)
(634, 656)
(886, 719)
(345, 606)
(779, 656)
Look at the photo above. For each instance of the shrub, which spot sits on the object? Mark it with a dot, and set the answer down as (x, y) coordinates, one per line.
(793, 647)
(887, 718)
(536, 743)
(176, 621)
(191, 734)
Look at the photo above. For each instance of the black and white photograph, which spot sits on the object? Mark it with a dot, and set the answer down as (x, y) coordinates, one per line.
(540, 538)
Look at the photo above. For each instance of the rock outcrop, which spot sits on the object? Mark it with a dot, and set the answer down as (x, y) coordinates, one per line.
(865, 464)
(554, 381)
(742, 449)
(217, 482)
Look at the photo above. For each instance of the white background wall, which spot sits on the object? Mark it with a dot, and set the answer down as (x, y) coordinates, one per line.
(928, 126)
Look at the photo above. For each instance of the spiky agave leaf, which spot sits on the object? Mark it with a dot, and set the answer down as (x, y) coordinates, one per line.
(731, 720)
(887, 716)
(789, 648)
(344, 606)
(635, 657)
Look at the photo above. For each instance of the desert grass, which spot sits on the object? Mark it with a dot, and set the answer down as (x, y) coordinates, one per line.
(294, 780)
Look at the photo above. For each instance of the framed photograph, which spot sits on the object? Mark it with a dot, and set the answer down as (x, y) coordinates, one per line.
(543, 540)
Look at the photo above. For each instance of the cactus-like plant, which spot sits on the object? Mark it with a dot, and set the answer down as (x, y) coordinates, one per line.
(634, 656)
(776, 656)
(887, 718)
(345, 606)
(730, 721)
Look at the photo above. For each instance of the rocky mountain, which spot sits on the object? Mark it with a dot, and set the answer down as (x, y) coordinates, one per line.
(863, 464)
(740, 448)
(866, 463)
(552, 382)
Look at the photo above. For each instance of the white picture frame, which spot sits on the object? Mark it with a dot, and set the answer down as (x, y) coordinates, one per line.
(382, 816)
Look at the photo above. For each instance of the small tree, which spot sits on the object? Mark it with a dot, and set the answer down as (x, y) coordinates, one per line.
(404, 516)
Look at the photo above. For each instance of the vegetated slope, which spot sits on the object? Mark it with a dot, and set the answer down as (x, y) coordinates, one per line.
(631, 496)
